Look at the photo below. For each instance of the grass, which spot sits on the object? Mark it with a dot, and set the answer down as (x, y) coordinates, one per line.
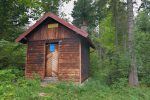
(14, 87)
(94, 90)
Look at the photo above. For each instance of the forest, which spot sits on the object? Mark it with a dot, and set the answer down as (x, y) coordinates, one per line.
(119, 64)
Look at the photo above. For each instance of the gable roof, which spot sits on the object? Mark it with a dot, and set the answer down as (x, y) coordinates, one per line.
(61, 21)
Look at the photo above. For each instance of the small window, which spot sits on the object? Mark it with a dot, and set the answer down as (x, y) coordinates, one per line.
(52, 47)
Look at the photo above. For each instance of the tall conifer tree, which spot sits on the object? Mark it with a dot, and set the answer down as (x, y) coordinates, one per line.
(133, 76)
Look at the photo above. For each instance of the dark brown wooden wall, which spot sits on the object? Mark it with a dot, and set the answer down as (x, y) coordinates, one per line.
(35, 59)
(45, 33)
(84, 60)
(69, 52)
(69, 60)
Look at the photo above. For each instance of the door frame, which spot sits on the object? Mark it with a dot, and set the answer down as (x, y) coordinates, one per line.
(46, 43)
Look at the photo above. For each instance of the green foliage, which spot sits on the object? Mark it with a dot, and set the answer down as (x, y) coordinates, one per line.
(85, 14)
(93, 90)
(143, 53)
(119, 21)
(143, 46)
(145, 4)
(13, 86)
(10, 75)
(50, 5)
(107, 33)
(112, 62)
(111, 70)
(143, 21)
(11, 54)
(13, 15)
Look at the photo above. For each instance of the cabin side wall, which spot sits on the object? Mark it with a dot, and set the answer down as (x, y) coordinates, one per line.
(85, 60)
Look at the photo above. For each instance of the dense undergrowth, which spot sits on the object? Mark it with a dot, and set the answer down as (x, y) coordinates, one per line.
(13, 86)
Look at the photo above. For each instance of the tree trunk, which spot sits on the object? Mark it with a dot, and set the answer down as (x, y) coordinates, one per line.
(133, 76)
(115, 20)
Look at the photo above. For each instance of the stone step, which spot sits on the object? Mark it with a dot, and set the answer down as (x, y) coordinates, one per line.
(50, 79)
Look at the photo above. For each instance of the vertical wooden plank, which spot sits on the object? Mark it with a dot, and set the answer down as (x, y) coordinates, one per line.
(59, 34)
(58, 58)
(48, 62)
(41, 33)
(44, 32)
(48, 33)
(26, 58)
(44, 58)
(56, 33)
(80, 64)
(35, 60)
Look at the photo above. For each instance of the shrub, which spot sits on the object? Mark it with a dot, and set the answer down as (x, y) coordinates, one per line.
(11, 54)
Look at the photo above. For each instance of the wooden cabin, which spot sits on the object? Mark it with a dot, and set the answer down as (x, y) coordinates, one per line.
(56, 48)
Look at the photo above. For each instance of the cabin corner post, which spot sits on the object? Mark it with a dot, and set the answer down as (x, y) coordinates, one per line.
(26, 60)
(59, 44)
(44, 68)
(80, 63)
